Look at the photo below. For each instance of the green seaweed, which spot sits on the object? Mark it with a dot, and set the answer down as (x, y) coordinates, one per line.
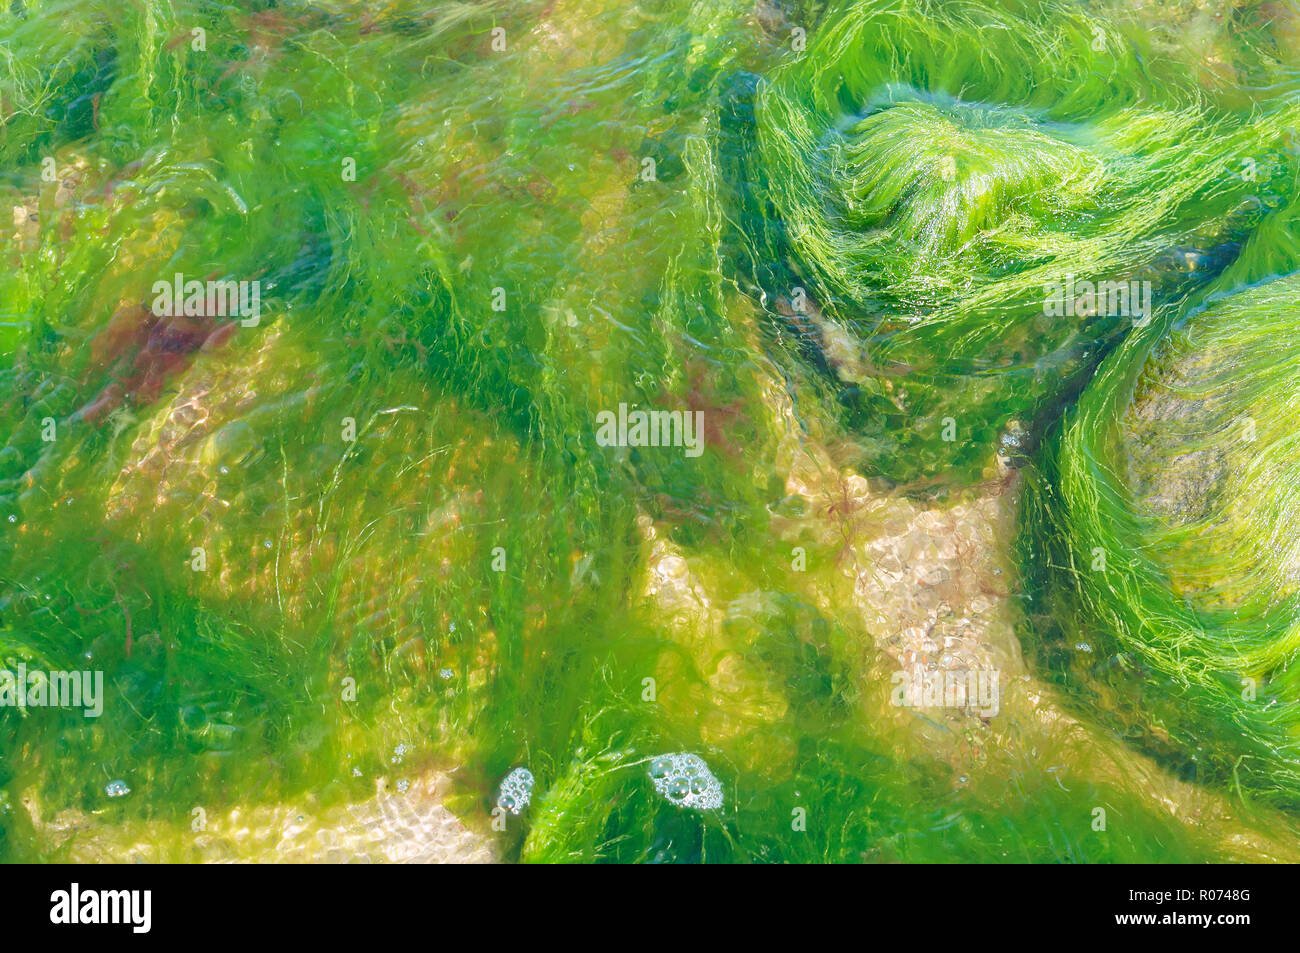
(1161, 535)
(926, 187)
(372, 536)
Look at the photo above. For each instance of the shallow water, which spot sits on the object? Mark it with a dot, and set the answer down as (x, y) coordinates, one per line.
(350, 557)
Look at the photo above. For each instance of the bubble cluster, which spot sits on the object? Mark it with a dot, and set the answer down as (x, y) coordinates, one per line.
(686, 780)
(516, 790)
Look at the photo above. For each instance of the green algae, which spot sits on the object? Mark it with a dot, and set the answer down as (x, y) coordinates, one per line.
(1168, 526)
(925, 192)
(415, 555)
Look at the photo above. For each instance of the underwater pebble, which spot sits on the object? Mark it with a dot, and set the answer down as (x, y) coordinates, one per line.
(516, 790)
(116, 789)
(685, 779)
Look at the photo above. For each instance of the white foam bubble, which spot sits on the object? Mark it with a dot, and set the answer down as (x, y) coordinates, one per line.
(516, 790)
(685, 780)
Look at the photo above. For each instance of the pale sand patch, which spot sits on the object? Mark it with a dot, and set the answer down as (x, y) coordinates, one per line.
(411, 827)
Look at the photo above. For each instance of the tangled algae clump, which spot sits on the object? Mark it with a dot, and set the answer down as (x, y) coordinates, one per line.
(349, 564)
(928, 173)
(1171, 536)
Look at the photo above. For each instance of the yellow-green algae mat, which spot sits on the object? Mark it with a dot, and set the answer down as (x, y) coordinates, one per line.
(948, 553)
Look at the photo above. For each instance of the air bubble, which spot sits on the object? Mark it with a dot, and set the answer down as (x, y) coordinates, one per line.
(685, 780)
(516, 790)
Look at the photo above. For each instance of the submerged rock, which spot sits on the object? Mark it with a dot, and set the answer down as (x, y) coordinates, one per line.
(1176, 538)
(933, 206)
